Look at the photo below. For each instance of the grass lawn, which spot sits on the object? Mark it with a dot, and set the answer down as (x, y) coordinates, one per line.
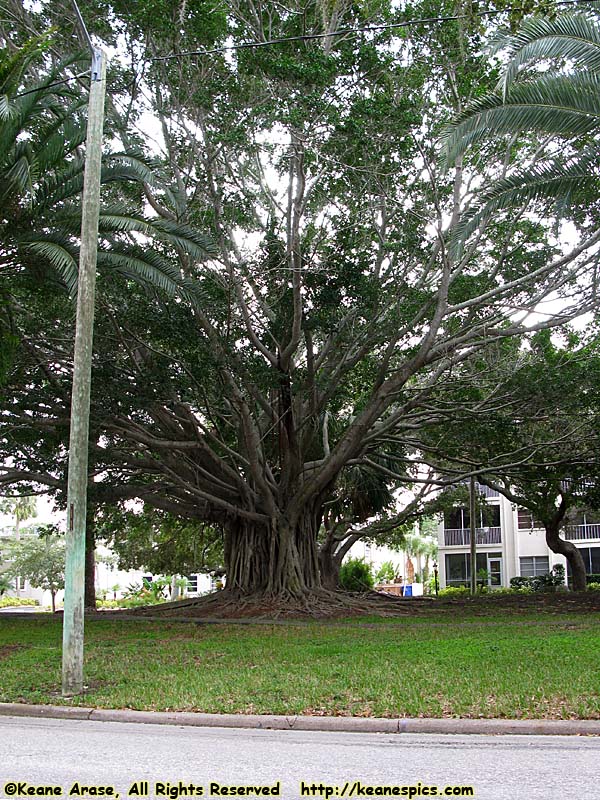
(532, 666)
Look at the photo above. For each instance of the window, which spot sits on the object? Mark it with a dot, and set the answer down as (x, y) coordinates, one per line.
(490, 517)
(192, 586)
(526, 520)
(458, 567)
(460, 518)
(534, 565)
(455, 518)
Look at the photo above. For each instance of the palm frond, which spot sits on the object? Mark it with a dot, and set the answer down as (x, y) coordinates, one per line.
(60, 185)
(191, 241)
(575, 37)
(149, 268)
(557, 104)
(557, 183)
(14, 64)
(7, 109)
(196, 244)
(59, 256)
(18, 179)
(143, 268)
(138, 166)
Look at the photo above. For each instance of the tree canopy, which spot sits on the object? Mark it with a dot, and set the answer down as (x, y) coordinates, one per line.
(535, 435)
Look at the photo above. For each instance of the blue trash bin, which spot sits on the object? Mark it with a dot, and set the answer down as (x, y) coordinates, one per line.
(408, 591)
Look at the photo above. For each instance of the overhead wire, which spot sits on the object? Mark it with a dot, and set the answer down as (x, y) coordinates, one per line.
(56, 83)
(307, 37)
(317, 36)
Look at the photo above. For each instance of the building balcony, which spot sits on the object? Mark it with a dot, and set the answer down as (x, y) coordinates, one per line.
(457, 537)
(582, 532)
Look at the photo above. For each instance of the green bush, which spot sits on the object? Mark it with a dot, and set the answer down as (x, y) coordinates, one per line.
(144, 594)
(549, 582)
(386, 573)
(453, 591)
(356, 575)
(6, 602)
(109, 603)
(593, 586)
(130, 602)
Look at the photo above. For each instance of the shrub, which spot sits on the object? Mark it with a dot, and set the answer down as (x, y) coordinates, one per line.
(108, 603)
(453, 591)
(356, 576)
(549, 582)
(386, 573)
(128, 602)
(6, 602)
(593, 586)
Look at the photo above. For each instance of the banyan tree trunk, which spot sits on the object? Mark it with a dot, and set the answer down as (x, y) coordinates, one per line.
(277, 560)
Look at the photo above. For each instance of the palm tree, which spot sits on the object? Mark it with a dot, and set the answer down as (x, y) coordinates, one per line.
(562, 102)
(41, 178)
(22, 507)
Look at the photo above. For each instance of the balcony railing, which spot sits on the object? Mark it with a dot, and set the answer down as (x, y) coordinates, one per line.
(454, 537)
(591, 531)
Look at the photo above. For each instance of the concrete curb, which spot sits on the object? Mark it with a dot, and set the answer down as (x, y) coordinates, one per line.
(522, 727)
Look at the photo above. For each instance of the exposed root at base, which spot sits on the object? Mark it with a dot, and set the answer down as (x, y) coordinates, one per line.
(320, 604)
(325, 604)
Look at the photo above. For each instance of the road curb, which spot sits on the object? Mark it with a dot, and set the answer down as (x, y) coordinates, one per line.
(522, 727)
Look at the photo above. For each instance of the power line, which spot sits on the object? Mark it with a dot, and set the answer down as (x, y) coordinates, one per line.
(314, 36)
(56, 83)
(307, 37)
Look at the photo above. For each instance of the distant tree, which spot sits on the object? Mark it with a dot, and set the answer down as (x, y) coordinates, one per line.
(428, 528)
(386, 572)
(40, 560)
(534, 437)
(160, 542)
(419, 547)
(22, 508)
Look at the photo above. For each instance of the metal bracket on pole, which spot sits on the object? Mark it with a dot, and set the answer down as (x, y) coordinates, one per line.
(96, 64)
(96, 52)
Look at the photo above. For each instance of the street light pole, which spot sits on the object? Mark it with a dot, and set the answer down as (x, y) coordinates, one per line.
(73, 622)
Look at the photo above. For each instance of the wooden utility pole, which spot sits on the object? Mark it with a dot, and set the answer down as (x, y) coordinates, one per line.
(473, 535)
(72, 665)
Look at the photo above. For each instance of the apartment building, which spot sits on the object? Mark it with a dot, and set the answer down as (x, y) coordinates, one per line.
(510, 542)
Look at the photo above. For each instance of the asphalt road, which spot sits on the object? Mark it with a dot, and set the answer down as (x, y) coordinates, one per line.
(54, 752)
